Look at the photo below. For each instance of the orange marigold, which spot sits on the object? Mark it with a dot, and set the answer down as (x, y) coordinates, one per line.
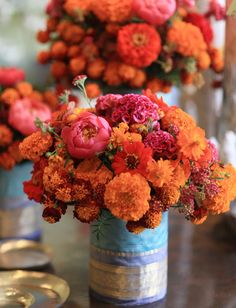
(203, 60)
(127, 196)
(186, 39)
(111, 76)
(58, 69)
(6, 135)
(88, 212)
(176, 116)
(192, 143)
(59, 50)
(73, 34)
(77, 65)
(43, 57)
(139, 79)
(9, 96)
(160, 172)
(35, 145)
(127, 72)
(121, 134)
(135, 227)
(73, 51)
(43, 36)
(217, 59)
(168, 194)
(96, 68)
(93, 90)
(152, 218)
(76, 7)
(36, 95)
(7, 161)
(24, 88)
(14, 151)
(112, 10)
(158, 85)
(138, 44)
(51, 99)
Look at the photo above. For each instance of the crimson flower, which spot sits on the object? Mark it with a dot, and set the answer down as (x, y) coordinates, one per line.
(133, 158)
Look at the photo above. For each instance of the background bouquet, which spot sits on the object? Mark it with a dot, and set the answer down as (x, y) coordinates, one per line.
(131, 43)
(132, 156)
(20, 105)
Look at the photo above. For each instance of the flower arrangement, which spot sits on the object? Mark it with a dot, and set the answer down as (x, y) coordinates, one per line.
(20, 105)
(132, 156)
(130, 43)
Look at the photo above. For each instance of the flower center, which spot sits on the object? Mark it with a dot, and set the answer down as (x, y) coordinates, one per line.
(89, 132)
(139, 39)
(132, 161)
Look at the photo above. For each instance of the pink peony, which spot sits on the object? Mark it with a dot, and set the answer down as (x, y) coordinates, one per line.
(87, 136)
(23, 113)
(155, 12)
(9, 76)
(162, 143)
(135, 108)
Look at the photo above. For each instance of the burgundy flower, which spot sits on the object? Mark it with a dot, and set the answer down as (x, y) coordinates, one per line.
(51, 214)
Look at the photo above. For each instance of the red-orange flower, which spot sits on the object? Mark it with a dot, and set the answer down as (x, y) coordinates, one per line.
(6, 135)
(138, 44)
(133, 158)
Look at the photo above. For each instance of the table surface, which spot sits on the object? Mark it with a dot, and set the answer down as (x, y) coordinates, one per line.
(202, 263)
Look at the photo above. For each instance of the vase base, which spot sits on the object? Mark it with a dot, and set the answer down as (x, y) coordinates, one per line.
(127, 303)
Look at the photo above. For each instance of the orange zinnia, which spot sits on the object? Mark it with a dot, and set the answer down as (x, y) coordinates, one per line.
(133, 158)
(160, 172)
(192, 143)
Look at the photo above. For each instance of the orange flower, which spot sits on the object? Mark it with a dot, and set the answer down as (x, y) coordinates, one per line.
(43, 36)
(111, 76)
(112, 10)
(187, 78)
(160, 172)
(176, 116)
(87, 212)
(52, 24)
(58, 50)
(127, 72)
(93, 90)
(14, 151)
(192, 143)
(76, 7)
(127, 196)
(7, 161)
(139, 79)
(203, 60)
(36, 95)
(35, 145)
(158, 85)
(6, 135)
(77, 65)
(121, 134)
(135, 227)
(200, 216)
(58, 69)
(73, 51)
(24, 88)
(133, 158)
(152, 218)
(9, 96)
(51, 99)
(72, 33)
(217, 59)
(96, 68)
(138, 44)
(43, 57)
(168, 194)
(186, 39)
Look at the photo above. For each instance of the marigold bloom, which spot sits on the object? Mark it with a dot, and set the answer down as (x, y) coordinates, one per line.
(139, 79)
(76, 7)
(186, 39)
(133, 158)
(135, 227)
(112, 10)
(6, 135)
(127, 72)
(7, 161)
(203, 60)
(73, 51)
(111, 76)
(58, 69)
(51, 99)
(96, 68)
(152, 218)
(127, 196)
(35, 145)
(37, 96)
(9, 96)
(217, 59)
(73, 34)
(121, 134)
(14, 151)
(43, 36)
(87, 212)
(24, 88)
(138, 44)
(168, 194)
(199, 216)
(58, 50)
(93, 90)
(51, 215)
(43, 57)
(176, 116)
(160, 172)
(192, 143)
(77, 65)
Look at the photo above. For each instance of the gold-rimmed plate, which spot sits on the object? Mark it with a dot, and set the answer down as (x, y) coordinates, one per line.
(32, 289)
(24, 254)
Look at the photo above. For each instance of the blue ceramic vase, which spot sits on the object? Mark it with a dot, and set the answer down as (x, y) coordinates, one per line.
(19, 217)
(128, 269)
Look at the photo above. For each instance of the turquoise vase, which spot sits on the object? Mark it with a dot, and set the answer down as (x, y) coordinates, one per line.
(128, 269)
(19, 217)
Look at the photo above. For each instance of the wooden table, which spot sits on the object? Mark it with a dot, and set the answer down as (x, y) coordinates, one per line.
(202, 263)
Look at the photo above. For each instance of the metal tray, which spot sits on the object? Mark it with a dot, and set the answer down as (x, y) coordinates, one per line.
(32, 289)
(24, 254)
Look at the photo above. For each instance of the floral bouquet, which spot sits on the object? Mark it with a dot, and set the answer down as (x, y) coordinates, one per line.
(130, 43)
(122, 166)
(20, 106)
